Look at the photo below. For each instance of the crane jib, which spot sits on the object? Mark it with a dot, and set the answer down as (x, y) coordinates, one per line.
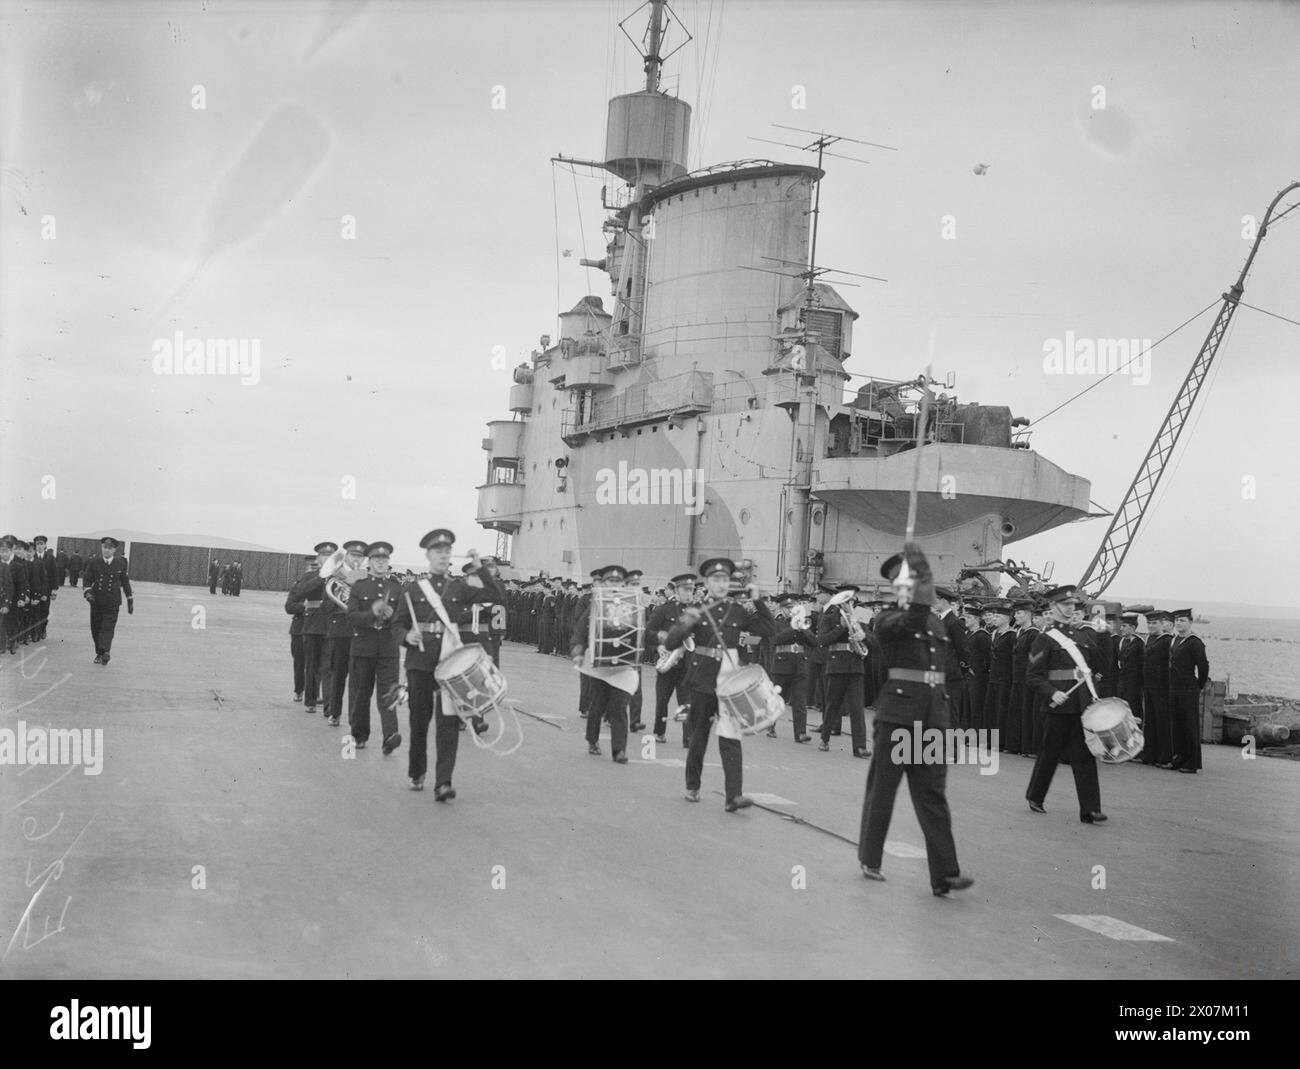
(1127, 519)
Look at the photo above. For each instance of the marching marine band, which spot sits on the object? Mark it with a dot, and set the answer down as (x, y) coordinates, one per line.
(1019, 671)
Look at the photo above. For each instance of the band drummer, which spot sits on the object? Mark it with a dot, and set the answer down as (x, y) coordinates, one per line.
(1052, 677)
(716, 628)
(604, 700)
(419, 627)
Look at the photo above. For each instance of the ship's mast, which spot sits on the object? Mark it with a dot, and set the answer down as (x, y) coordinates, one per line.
(653, 61)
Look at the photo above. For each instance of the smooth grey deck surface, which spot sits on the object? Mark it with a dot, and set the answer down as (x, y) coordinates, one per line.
(317, 866)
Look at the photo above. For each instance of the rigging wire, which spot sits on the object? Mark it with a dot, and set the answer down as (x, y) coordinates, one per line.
(1266, 312)
(582, 229)
(1094, 385)
(713, 78)
(555, 211)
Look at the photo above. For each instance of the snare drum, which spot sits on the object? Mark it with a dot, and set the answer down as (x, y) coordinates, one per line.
(472, 683)
(749, 700)
(1111, 731)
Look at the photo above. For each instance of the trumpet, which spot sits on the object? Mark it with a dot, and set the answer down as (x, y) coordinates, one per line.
(339, 578)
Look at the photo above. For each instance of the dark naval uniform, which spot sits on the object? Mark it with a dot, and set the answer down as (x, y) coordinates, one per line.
(8, 615)
(338, 651)
(998, 702)
(75, 565)
(790, 648)
(1051, 669)
(293, 605)
(702, 668)
(954, 672)
(48, 574)
(980, 648)
(19, 635)
(663, 618)
(463, 603)
(913, 700)
(604, 700)
(373, 662)
(105, 582)
(309, 595)
(1157, 727)
(1130, 660)
(1189, 671)
(844, 674)
(38, 598)
(1022, 700)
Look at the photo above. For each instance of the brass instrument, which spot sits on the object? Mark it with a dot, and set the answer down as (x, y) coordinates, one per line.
(857, 633)
(339, 578)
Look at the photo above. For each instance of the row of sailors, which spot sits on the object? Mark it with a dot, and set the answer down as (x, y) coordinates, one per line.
(1160, 676)
(29, 581)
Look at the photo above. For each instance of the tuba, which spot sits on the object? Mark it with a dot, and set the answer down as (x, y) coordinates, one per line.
(339, 578)
(615, 635)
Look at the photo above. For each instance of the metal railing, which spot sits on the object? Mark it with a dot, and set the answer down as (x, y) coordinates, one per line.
(691, 391)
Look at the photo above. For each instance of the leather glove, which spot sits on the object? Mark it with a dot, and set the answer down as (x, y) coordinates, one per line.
(916, 561)
(88, 595)
(130, 606)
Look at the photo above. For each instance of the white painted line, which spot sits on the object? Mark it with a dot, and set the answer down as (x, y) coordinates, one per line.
(771, 799)
(671, 762)
(898, 848)
(1112, 928)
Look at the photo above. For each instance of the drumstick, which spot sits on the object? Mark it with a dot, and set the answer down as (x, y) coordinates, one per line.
(414, 622)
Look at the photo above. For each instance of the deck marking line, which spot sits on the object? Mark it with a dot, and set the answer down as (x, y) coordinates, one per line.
(1112, 927)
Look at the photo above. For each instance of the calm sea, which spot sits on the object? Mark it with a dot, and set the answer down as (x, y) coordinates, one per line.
(1255, 656)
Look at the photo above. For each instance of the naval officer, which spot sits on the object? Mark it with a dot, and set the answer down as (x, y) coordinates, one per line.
(107, 578)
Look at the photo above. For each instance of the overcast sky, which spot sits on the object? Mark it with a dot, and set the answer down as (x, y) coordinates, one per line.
(377, 352)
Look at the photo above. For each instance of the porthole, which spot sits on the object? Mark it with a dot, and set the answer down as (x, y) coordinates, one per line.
(744, 516)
